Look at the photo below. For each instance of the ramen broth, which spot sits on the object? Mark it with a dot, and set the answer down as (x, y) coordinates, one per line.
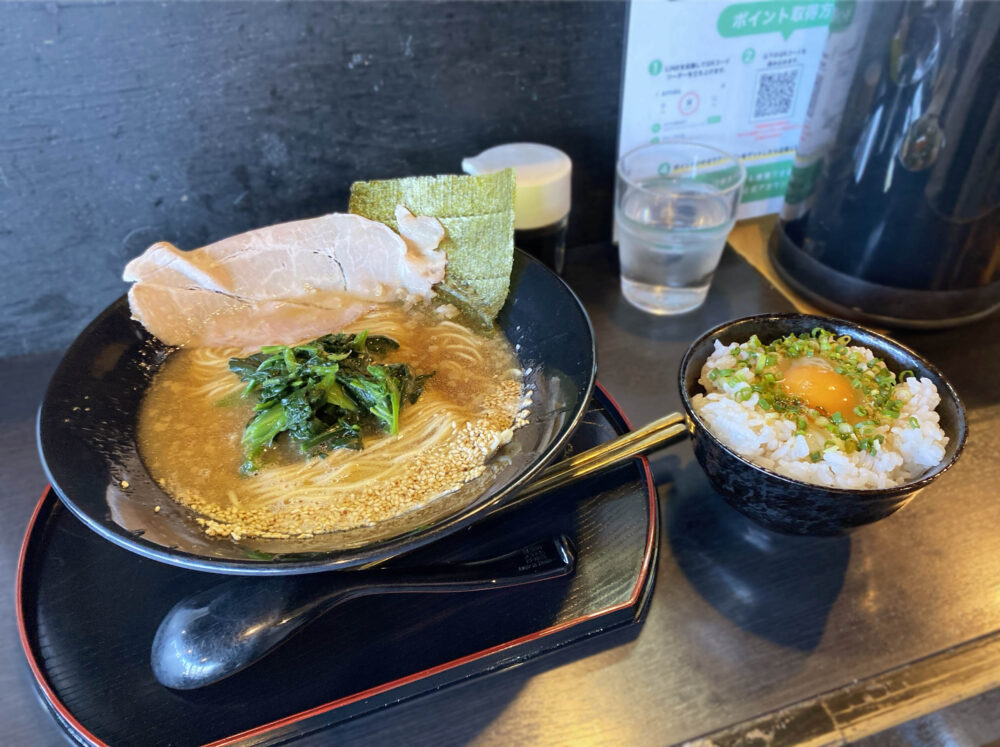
(192, 418)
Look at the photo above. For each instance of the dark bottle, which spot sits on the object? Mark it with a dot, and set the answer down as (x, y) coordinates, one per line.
(548, 243)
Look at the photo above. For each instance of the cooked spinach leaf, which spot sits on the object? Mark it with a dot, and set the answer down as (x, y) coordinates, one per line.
(325, 394)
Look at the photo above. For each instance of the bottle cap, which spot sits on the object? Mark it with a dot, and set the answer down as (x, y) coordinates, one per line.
(543, 180)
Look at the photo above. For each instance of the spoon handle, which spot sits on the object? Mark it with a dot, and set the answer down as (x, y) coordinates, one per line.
(539, 561)
(221, 630)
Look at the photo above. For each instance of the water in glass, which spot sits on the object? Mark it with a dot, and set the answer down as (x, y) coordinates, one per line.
(671, 233)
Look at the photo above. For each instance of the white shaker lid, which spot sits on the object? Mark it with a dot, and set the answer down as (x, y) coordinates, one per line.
(543, 175)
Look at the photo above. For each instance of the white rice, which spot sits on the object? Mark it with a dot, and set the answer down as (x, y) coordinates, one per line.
(768, 439)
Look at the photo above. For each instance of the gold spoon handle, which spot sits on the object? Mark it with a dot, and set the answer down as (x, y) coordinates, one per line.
(659, 433)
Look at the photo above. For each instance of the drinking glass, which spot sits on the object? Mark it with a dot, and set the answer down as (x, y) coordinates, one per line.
(675, 203)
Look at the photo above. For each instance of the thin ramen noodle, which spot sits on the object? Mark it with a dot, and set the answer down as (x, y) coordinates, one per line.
(192, 418)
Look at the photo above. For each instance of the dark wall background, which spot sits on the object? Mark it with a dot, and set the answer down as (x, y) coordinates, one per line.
(126, 123)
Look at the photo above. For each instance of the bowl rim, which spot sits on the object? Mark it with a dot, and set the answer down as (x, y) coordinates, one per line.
(944, 389)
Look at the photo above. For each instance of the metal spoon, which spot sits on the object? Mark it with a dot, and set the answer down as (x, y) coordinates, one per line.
(224, 629)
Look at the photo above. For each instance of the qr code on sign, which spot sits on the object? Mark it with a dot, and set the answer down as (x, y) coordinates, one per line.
(775, 93)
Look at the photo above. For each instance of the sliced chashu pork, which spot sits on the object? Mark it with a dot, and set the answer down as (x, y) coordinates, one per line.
(286, 283)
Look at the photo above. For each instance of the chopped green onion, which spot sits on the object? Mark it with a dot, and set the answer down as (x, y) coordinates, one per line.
(865, 427)
(879, 399)
(914, 423)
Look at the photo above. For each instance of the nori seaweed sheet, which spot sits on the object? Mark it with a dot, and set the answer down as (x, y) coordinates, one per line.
(477, 213)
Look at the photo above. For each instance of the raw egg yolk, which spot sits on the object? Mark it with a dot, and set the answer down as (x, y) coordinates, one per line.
(817, 383)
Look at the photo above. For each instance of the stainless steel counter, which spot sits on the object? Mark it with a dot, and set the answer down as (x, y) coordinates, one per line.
(802, 639)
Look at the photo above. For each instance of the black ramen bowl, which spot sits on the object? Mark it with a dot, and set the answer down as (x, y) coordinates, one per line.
(791, 506)
(87, 442)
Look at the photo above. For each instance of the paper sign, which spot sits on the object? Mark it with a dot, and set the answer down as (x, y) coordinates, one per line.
(736, 76)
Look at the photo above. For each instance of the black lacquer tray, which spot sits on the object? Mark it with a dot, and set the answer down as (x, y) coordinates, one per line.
(88, 610)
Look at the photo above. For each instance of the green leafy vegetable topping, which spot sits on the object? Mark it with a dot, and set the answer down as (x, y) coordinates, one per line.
(324, 394)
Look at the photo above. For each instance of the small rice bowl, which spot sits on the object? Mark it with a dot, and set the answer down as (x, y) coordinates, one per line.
(772, 441)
